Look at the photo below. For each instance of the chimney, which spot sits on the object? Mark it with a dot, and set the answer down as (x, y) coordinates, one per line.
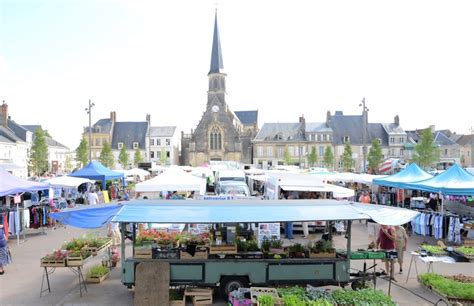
(397, 120)
(113, 116)
(303, 124)
(328, 117)
(4, 114)
(148, 119)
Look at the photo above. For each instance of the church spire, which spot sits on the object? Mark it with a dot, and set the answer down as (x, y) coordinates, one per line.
(217, 65)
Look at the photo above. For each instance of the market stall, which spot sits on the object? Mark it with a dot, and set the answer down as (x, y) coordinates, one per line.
(96, 171)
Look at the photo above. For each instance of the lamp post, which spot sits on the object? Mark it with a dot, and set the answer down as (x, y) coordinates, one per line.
(88, 110)
(364, 133)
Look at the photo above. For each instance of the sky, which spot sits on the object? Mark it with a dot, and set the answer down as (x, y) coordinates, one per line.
(411, 58)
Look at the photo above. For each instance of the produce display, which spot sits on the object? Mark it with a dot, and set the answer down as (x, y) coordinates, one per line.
(433, 249)
(451, 288)
(56, 255)
(311, 296)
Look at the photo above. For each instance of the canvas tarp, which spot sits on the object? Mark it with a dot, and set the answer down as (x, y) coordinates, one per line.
(454, 181)
(173, 179)
(202, 211)
(10, 184)
(410, 174)
(94, 216)
(96, 171)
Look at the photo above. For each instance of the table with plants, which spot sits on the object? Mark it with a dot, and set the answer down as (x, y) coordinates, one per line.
(73, 255)
(457, 288)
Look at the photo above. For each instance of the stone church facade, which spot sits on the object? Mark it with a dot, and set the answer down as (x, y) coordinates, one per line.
(221, 133)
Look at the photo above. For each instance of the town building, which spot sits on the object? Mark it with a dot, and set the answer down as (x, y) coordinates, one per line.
(221, 134)
(163, 145)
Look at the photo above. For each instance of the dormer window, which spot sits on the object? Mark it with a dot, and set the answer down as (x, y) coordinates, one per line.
(346, 139)
(135, 145)
(120, 145)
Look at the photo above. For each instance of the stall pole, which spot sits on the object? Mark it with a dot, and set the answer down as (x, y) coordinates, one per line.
(122, 245)
(349, 235)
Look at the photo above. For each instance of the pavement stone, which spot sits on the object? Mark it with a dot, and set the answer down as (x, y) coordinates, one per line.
(21, 283)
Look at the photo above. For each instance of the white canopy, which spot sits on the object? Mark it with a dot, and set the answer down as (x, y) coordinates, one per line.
(173, 179)
(68, 181)
(303, 182)
(259, 211)
(135, 171)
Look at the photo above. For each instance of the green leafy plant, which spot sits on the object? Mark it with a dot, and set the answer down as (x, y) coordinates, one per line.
(433, 249)
(266, 243)
(276, 244)
(361, 297)
(322, 246)
(252, 246)
(297, 248)
(448, 287)
(293, 300)
(97, 271)
(466, 250)
(176, 295)
(266, 300)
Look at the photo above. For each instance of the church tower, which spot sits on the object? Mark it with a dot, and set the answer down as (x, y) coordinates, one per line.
(219, 134)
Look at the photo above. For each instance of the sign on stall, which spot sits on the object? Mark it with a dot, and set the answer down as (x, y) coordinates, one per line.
(270, 231)
(199, 228)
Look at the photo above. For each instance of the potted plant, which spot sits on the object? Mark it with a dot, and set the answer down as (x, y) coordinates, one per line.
(297, 250)
(322, 249)
(276, 246)
(97, 274)
(177, 297)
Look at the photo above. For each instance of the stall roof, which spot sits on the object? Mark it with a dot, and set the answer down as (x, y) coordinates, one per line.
(94, 216)
(410, 174)
(67, 181)
(10, 184)
(173, 179)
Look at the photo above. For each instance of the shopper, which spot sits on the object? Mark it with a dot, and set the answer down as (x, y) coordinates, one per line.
(386, 241)
(401, 240)
(92, 197)
(5, 256)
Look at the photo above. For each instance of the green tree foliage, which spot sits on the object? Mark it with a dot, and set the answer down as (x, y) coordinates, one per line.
(68, 164)
(138, 157)
(347, 161)
(375, 156)
(312, 157)
(426, 152)
(82, 153)
(124, 157)
(163, 158)
(287, 157)
(39, 153)
(106, 156)
(328, 158)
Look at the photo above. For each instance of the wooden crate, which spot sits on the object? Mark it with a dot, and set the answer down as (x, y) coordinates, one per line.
(74, 261)
(200, 296)
(469, 242)
(143, 253)
(255, 292)
(322, 255)
(223, 249)
(178, 302)
(199, 255)
(96, 250)
(96, 280)
(52, 262)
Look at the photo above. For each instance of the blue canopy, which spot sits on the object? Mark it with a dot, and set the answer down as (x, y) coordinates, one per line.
(234, 211)
(454, 181)
(96, 171)
(10, 184)
(410, 174)
(90, 217)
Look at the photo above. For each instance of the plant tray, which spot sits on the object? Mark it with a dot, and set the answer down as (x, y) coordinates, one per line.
(52, 262)
(197, 256)
(444, 296)
(74, 261)
(376, 255)
(96, 250)
(165, 254)
(223, 249)
(97, 279)
(255, 292)
(358, 255)
(323, 255)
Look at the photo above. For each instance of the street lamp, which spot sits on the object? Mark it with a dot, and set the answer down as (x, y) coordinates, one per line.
(88, 111)
(364, 133)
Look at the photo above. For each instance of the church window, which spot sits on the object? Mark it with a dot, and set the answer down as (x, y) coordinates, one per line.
(215, 139)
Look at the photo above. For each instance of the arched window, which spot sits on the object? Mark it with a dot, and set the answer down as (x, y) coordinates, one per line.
(215, 138)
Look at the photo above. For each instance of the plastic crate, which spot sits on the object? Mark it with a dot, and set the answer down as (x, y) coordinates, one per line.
(358, 255)
(376, 255)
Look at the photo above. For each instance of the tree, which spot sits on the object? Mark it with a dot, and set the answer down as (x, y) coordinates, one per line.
(106, 156)
(347, 161)
(138, 157)
(328, 158)
(375, 156)
(163, 157)
(287, 157)
(68, 164)
(426, 153)
(39, 153)
(82, 152)
(312, 157)
(123, 157)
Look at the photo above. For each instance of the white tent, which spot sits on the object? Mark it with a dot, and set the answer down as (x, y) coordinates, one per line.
(68, 181)
(173, 179)
(136, 171)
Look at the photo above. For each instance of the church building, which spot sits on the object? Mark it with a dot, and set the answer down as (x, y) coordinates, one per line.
(221, 133)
